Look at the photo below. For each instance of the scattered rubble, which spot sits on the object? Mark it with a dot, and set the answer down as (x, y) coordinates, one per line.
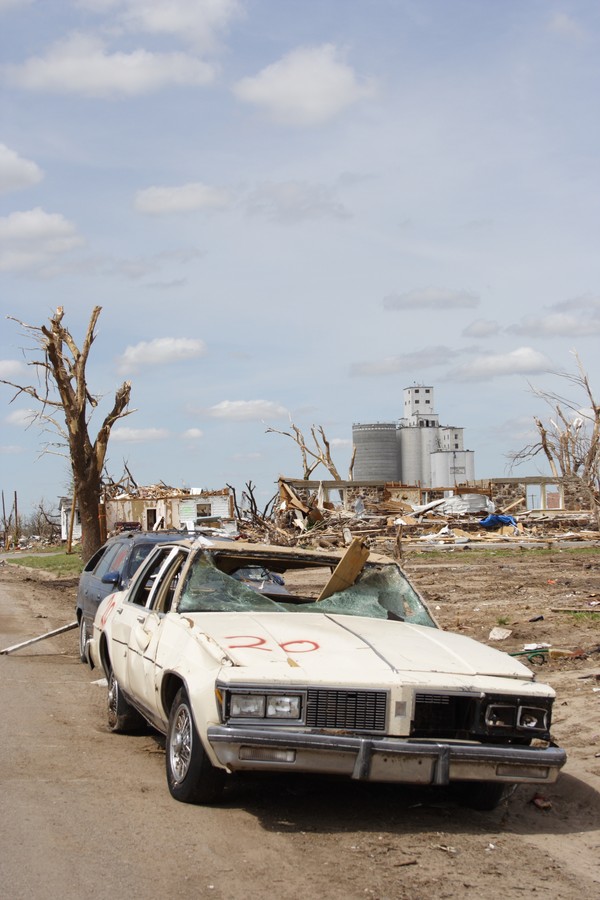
(387, 520)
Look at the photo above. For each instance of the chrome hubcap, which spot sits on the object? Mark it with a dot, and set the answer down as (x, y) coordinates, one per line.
(82, 638)
(180, 744)
(113, 694)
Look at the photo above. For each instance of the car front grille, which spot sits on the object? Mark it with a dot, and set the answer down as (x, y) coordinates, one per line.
(443, 715)
(349, 710)
(463, 717)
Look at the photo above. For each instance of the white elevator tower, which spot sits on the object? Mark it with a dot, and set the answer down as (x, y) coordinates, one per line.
(427, 453)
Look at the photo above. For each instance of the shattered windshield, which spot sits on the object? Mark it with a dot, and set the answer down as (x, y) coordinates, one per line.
(381, 592)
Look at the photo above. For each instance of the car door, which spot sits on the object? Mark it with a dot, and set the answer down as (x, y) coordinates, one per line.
(131, 613)
(147, 630)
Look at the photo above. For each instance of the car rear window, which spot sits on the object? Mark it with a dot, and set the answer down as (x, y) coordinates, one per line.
(137, 557)
(107, 563)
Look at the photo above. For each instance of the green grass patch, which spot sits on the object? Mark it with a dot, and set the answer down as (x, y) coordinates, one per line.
(585, 616)
(473, 553)
(59, 563)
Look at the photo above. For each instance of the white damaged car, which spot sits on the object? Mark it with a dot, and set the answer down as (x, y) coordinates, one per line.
(255, 657)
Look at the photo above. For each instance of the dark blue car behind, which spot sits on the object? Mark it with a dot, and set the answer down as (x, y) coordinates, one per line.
(111, 569)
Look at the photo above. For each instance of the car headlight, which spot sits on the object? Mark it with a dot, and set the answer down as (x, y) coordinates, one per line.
(500, 715)
(283, 706)
(247, 706)
(521, 718)
(533, 718)
(265, 706)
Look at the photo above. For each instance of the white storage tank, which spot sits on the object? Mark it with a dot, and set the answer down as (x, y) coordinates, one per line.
(450, 467)
(409, 441)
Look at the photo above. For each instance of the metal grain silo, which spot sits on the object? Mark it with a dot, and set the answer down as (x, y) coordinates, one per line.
(376, 452)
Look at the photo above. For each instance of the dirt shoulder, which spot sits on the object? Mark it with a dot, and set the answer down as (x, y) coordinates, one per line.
(86, 811)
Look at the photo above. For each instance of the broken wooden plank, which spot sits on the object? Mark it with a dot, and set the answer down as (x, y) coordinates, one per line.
(510, 506)
(291, 497)
(347, 570)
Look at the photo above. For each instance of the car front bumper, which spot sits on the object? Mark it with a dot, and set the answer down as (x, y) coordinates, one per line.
(382, 759)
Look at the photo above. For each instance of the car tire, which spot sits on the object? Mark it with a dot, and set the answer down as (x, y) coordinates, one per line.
(122, 717)
(83, 639)
(484, 795)
(191, 777)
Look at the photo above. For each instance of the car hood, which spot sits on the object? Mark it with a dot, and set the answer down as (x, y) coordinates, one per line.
(326, 646)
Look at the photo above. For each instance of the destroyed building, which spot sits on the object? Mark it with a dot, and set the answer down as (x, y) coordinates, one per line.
(154, 507)
(414, 450)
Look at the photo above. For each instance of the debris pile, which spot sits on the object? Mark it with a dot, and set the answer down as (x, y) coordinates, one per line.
(392, 519)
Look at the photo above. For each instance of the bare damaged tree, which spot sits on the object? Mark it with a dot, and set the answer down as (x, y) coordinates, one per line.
(43, 523)
(311, 458)
(570, 440)
(62, 392)
(351, 466)
(258, 522)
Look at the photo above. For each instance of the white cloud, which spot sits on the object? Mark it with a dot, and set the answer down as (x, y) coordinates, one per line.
(584, 301)
(138, 435)
(32, 239)
(192, 21)
(10, 449)
(406, 362)
(193, 434)
(248, 410)
(520, 430)
(11, 368)
(80, 64)
(566, 26)
(21, 417)
(341, 442)
(16, 172)
(306, 87)
(286, 201)
(431, 298)
(481, 328)
(159, 352)
(183, 198)
(11, 4)
(295, 201)
(557, 325)
(523, 361)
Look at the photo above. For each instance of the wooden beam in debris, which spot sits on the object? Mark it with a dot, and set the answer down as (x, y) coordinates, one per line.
(347, 570)
(291, 497)
(41, 637)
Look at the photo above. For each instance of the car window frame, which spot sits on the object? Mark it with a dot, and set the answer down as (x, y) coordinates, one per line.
(153, 567)
(167, 581)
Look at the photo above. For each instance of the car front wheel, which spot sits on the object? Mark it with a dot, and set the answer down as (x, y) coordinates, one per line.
(190, 774)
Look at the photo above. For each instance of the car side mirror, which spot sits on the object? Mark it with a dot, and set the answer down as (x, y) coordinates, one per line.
(111, 578)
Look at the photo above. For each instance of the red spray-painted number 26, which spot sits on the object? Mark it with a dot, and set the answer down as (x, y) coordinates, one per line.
(257, 643)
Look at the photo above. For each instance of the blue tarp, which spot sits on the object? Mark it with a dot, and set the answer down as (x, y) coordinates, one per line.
(496, 521)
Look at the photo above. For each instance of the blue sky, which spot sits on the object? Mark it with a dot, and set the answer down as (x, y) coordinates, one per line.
(295, 210)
